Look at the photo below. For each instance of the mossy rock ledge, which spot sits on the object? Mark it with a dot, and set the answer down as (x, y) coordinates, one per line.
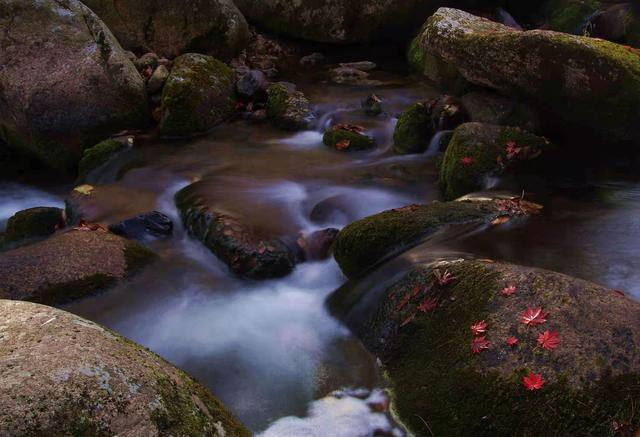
(479, 151)
(348, 138)
(198, 95)
(69, 265)
(66, 376)
(288, 108)
(589, 82)
(367, 242)
(440, 387)
(245, 250)
(57, 101)
(33, 223)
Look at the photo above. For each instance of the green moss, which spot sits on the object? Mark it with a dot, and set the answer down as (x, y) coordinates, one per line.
(98, 155)
(289, 110)
(435, 378)
(357, 141)
(414, 130)
(278, 97)
(32, 223)
(442, 73)
(569, 15)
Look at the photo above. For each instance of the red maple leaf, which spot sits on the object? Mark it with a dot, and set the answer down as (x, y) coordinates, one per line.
(467, 161)
(445, 278)
(512, 341)
(512, 149)
(427, 305)
(479, 328)
(343, 144)
(548, 340)
(509, 290)
(533, 381)
(533, 317)
(478, 344)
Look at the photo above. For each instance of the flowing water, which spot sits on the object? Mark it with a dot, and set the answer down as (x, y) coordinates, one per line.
(270, 350)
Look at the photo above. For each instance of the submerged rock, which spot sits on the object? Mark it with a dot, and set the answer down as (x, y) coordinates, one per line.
(33, 223)
(199, 94)
(289, 109)
(244, 249)
(366, 242)
(64, 375)
(589, 82)
(478, 152)
(151, 225)
(69, 265)
(347, 137)
(98, 155)
(66, 82)
(171, 28)
(420, 329)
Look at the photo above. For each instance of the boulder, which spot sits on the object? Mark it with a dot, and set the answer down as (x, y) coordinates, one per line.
(367, 242)
(65, 82)
(450, 371)
(149, 226)
(347, 137)
(157, 80)
(289, 109)
(198, 95)
(589, 82)
(492, 108)
(252, 87)
(339, 21)
(69, 265)
(98, 155)
(33, 223)
(170, 28)
(245, 250)
(63, 375)
(478, 152)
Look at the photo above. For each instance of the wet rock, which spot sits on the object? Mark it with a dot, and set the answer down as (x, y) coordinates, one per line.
(64, 375)
(317, 245)
(359, 65)
(372, 105)
(69, 265)
(492, 108)
(348, 137)
(366, 242)
(147, 226)
(312, 60)
(198, 95)
(595, 83)
(289, 109)
(157, 79)
(422, 120)
(148, 60)
(478, 152)
(33, 223)
(252, 87)
(349, 76)
(66, 82)
(98, 155)
(171, 28)
(419, 326)
(246, 251)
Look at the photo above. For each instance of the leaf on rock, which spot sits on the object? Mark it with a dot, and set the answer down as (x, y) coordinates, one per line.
(533, 317)
(479, 328)
(443, 279)
(467, 161)
(533, 381)
(512, 341)
(548, 340)
(427, 305)
(343, 144)
(479, 344)
(509, 290)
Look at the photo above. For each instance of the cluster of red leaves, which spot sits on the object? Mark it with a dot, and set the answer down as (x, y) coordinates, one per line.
(518, 206)
(89, 227)
(467, 161)
(350, 128)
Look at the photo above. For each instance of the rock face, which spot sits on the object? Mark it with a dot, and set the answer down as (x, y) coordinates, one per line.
(198, 95)
(289, 109)
(64, 375)
(33, 223)
(590, 82)
(339, 21)
(478, 152)
(420, 327)
(65, 82)
(68, 266)
(171, 28)
(245, 250)
(366, 242)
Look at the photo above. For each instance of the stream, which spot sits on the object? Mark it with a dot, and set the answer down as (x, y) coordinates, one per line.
(269, 350)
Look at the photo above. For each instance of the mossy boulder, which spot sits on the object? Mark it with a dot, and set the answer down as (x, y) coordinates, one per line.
(247, 251)
(367, 242)
(492, 108)
(170, 28)
(585, 81)
(348, 138)
(420, 329)
(63, 375)
(417, 125)
(33, 223)
(288, 108)
(479, 151)
(198, 95)
(339, 21)
(69, 265)
(98, 155)
(65, 82)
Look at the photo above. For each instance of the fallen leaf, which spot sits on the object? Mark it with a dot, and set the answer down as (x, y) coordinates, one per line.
(350, 127)
(548, 340)
(533, 381)
(479, 328)
(533, 317)
(509, 290)
(427, 305)
(501, 220)
(343, 144)
(512, 341)
(467, 161)
(619, 292)
(443, 279)
(478, 344)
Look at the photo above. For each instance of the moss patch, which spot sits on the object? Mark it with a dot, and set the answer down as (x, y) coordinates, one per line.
(414, 130)
(96, 156)
(33, 223)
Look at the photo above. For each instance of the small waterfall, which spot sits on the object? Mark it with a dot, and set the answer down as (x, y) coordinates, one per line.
(436, 141)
